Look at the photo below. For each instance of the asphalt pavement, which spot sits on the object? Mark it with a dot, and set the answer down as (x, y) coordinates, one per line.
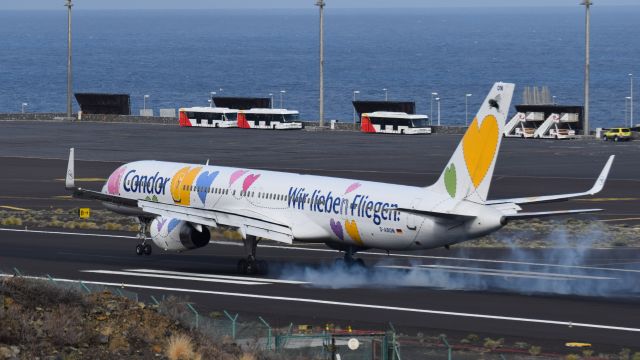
(551, 295)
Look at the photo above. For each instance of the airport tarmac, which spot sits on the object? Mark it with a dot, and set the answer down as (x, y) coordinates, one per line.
(449, 294)
(303, 287)
(524, 167)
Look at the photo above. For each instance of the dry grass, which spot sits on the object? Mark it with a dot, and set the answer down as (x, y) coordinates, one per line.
(180, 347)
(11, 221)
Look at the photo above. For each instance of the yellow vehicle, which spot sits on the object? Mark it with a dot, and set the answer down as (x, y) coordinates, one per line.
(617, 134)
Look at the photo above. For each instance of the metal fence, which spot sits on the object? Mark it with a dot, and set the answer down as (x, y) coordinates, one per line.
(301, 342)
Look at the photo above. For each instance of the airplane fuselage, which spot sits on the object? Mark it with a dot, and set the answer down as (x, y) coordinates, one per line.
(343, 213)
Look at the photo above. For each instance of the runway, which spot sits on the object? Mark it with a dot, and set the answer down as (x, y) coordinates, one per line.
(303, 286)
(553, 296)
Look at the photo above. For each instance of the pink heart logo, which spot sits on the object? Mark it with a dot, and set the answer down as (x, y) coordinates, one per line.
(236, 175)
(248, 181)
(336, 227)
(352, 187)
(113, 184)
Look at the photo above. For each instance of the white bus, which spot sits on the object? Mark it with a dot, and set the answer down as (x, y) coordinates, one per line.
(209, 117)
(277, 119)
(387, 122)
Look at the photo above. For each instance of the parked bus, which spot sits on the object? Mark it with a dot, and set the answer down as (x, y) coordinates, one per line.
(209, 117)
(395, 123)
(277, 119)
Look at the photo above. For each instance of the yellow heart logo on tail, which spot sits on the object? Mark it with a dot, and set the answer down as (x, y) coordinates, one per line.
(352, 230)
(479, 146)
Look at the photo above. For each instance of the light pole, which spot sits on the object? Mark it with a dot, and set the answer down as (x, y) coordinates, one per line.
(271, 96)
(554, 100)
(220, 90)
(631, 100)
(386, 93)
(320, 4)
(213, 93)
(69, 5)
(431, 112)
(144, 102)
(438, 102)
(282, 92)
(466, 109)
(354, 106)
(587, 24)
(24, 105)
(626, 111)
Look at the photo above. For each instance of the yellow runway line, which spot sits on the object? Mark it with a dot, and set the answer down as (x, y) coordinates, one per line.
(621, 219)
(12, 208)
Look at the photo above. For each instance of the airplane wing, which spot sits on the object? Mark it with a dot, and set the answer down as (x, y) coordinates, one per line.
(597, 187)
(248, 222)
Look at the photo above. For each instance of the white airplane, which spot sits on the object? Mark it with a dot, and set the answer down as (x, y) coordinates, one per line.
(177, 202)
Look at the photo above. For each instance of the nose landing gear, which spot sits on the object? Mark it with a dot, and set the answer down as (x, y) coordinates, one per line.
(143, 248)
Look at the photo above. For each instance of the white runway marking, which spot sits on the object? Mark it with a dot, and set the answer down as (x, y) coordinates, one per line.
(302, 248)
(175, 277)
(356, 305)
(409, 256)
(499, 272)
(214, 276)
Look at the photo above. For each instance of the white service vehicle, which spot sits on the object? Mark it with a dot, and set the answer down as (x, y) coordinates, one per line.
(177, 202)
(387, 122)
(276, 119)
(208, 117)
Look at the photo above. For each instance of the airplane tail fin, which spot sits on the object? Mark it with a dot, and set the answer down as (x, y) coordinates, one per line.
(469, 171)
(69, 181)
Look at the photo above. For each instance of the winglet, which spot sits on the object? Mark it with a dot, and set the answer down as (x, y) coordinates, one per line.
(602, 178)
(69, 182)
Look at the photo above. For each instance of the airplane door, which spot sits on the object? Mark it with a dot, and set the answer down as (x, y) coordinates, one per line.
(412, 220)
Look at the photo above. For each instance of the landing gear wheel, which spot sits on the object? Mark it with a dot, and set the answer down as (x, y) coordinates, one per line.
(252, 267)
(262, 267)
(242, 266)
(143, 248)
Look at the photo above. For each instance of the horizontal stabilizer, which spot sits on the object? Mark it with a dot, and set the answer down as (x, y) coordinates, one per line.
(530, 215)
(596, 188)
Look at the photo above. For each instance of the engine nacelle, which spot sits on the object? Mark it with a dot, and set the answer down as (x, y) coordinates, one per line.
(177, 235)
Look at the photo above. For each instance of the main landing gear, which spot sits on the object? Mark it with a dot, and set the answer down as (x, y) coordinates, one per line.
(143, 248)
(250, 265)
(349, 260)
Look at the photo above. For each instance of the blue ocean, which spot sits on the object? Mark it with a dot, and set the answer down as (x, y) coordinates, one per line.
(179, 57)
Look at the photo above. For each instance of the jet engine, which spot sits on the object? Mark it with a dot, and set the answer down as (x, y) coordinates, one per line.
(177, 235)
